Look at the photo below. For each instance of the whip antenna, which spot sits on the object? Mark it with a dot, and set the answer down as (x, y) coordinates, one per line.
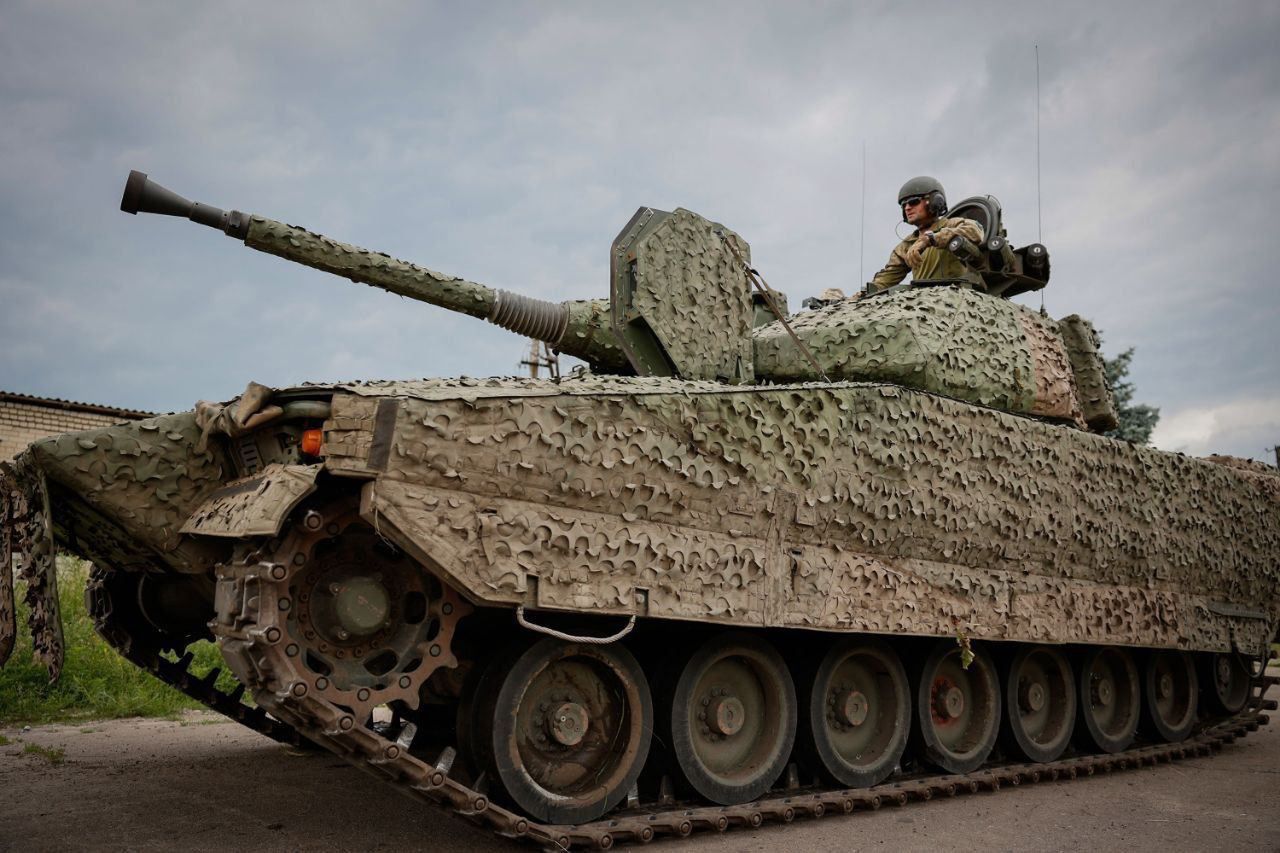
(1039, 224)
(1039, 221)
(862, 219)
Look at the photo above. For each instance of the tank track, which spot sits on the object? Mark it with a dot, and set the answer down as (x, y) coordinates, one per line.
(134, 647)
(246, 624)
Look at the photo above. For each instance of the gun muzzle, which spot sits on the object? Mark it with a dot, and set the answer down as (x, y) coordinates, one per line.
(142, 195)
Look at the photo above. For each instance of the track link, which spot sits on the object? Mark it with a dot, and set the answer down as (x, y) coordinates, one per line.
(142, 651)
(247, 615)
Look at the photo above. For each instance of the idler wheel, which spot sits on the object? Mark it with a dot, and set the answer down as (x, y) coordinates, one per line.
(856, 713)
(1225, 678)
(1109, 698)
(957, 708)
(733, 718)
(564, 728)
(1170, 690)
(1040, 703)
(178, 606)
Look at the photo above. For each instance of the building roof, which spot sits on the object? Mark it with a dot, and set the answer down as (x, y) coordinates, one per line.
(72, 405)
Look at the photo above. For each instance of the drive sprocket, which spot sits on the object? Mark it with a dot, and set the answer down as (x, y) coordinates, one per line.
(338, 613)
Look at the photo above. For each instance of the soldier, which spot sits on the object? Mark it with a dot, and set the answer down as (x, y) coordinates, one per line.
(923, 253)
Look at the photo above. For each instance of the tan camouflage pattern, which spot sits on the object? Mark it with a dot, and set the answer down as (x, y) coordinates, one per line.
(849, 507)
(947, 340)
(1056, 395)
(846, 507)
(696, 297)
(1096, 400)
(255, 506)
(927, 262)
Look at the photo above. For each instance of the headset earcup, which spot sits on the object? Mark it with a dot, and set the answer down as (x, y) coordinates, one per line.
(937, 203)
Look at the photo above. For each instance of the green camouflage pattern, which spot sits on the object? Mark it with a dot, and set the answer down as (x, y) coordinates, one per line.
(684, 280)
(681, 304)
(1096, 401)
(587, 336)
(946, 340)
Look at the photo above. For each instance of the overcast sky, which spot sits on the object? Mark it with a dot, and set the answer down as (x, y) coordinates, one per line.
(508, 143)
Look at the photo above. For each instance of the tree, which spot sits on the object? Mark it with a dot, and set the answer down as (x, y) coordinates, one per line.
(1137, 420)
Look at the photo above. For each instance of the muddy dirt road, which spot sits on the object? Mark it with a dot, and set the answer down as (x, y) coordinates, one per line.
(204, 784)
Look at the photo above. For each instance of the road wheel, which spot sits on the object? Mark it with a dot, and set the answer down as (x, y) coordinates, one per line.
(1171, 690)
(564, 728)
(957, 708)
(733, 718)
(1226, 682)
(856, 713)
(1109, 698)
(1040, 703)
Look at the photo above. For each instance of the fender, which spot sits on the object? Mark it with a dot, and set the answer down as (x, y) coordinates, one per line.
(254, 506)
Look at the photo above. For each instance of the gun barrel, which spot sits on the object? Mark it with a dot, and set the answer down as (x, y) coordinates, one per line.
(373, 268)
(580, 329)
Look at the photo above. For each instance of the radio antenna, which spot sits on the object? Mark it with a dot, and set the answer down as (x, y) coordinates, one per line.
(1039, 221)
(862, 219)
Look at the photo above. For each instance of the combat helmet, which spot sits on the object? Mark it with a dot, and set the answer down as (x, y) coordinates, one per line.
(926, 186)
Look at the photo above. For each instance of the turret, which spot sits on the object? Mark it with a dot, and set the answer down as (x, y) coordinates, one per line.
(681, 304)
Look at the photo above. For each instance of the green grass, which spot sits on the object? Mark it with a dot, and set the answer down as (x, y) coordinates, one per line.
(96, 682)
(55, 755)
(4, 741)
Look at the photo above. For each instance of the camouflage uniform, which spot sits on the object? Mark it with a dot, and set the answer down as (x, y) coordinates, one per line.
(935, 262)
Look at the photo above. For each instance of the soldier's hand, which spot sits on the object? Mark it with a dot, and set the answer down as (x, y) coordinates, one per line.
(916, 250)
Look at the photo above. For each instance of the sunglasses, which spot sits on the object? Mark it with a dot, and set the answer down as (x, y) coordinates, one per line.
(912, 201)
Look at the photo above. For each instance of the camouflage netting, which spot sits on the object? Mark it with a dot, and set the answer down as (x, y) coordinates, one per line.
(27, 530)
(373, 268)
(1091, 380)
(587, 335)
(942, 339)
(855, 507)
(146, 477)
(696, 297)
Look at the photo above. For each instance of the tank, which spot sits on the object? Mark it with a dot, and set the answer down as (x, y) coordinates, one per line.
(745, 566)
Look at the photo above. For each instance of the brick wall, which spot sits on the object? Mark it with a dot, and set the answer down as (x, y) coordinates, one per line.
(23, 421)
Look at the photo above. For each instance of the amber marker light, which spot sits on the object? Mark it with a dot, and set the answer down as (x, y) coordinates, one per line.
(311, 439)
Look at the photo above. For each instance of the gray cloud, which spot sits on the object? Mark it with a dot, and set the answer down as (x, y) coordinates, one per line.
(510, 142)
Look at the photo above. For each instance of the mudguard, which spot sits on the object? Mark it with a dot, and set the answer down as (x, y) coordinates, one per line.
(254, 506)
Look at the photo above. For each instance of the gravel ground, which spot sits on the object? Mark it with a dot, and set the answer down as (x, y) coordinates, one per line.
(205, 784)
